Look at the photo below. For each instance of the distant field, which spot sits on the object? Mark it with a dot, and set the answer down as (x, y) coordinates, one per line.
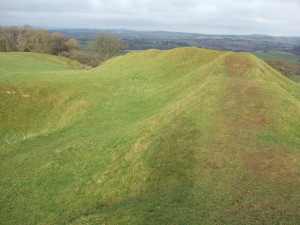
(185, 136)
(169, 40)
(278, 54)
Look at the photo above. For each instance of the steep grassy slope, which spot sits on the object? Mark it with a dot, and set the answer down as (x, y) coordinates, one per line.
(186, 136)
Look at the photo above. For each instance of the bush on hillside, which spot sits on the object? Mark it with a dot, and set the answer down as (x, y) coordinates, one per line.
(107, 45)
(284, 67)
(87, 61)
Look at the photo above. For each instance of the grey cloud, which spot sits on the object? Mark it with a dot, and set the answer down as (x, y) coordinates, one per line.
(275, 17)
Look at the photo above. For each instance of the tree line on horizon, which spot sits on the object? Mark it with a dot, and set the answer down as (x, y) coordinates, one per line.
(28, 39)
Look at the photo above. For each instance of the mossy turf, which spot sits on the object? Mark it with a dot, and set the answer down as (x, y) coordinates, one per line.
(184, 136)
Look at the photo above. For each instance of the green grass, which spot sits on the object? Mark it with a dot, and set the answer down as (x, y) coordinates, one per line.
(185, 136)
(34, 62)
(264, 55)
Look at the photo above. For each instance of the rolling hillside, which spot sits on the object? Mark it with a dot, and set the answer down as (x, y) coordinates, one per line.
(184, 136)
(34, 62)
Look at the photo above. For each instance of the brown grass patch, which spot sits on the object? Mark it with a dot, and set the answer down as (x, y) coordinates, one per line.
(246, 106)
(238, 64)
(246, 111)
(272, 164)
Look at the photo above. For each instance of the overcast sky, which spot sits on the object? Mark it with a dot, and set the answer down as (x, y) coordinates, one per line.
(272, 17)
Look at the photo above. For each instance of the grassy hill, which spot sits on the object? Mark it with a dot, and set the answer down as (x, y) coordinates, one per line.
(34, 62)
(185, 136)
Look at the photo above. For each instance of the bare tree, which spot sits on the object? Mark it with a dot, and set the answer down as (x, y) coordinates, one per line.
(58, 43)
(72, 45)
(8, 39)
(107, 45)
(28, 39)
(33, 40)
